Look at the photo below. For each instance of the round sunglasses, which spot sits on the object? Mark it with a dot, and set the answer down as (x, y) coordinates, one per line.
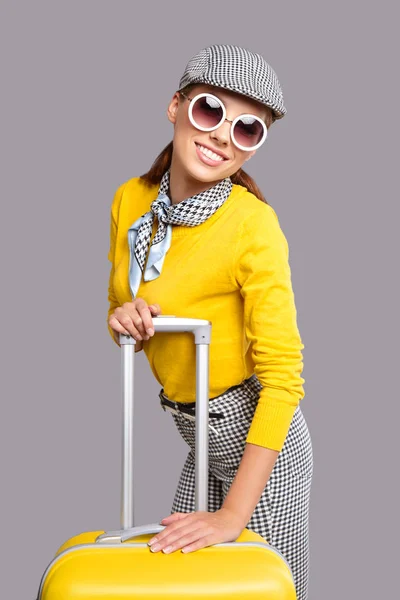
(207, 112)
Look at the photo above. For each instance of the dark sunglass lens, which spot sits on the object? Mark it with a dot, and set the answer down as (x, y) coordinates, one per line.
(248, 132)
(207, 112)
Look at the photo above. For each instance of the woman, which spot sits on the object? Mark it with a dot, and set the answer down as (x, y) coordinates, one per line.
(218, 253)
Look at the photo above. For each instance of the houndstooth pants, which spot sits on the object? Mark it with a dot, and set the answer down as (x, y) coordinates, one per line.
(282, 513)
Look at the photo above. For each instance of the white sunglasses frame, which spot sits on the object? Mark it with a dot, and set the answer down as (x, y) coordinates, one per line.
(233, 123)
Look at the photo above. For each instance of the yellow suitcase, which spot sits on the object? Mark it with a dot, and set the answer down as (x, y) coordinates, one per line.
(119, 565)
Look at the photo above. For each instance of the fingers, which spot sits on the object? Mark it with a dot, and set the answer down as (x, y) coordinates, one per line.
(123, 321)
(186, 531)
(144, 321)
(115, 324)
(174, 517)
(135, 319)
(198, 544)
(175, 521)
(196, 538)
(192, 531)
(155, 308)
(184, 536)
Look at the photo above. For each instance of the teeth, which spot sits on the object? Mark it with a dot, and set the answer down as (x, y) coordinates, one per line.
(209, 153)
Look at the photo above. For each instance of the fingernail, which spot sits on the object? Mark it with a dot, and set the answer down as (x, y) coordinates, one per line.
(150, 331)
(155, 548)
(167, 550)
(152, 541)
(139, 337)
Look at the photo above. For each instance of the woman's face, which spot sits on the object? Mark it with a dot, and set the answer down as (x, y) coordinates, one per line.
(189, 143)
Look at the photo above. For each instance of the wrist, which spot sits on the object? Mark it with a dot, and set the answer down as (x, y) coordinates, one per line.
(239, 520)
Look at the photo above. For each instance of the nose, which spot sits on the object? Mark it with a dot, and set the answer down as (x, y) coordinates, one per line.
(222, 133)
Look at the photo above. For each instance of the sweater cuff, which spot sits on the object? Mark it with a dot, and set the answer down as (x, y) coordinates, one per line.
(270, 428)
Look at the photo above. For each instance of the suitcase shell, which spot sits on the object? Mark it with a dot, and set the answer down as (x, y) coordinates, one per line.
(248, 568)
(119, 565)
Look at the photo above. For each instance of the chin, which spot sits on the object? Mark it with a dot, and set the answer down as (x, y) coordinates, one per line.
(200, 175)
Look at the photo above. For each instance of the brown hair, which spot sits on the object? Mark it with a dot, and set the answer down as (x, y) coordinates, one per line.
(163, 163)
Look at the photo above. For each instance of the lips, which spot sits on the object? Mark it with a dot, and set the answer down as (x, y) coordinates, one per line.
(210, 155)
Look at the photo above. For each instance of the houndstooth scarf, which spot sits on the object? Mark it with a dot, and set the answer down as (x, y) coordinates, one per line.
(190, 212)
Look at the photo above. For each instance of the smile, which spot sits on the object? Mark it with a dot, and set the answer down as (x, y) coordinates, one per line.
(209, 153)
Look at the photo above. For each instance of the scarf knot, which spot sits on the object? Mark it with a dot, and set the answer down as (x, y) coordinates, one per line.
(159, 208)
(190, 212)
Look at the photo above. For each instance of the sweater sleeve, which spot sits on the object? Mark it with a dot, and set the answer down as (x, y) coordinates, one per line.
(112, 299)
(263, 273)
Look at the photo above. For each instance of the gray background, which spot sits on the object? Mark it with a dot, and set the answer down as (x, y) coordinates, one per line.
(84, 89)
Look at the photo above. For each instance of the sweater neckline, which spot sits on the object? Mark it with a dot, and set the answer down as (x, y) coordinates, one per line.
(181, 230)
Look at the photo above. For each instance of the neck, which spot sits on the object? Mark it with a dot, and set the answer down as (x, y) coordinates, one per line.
(182, 186)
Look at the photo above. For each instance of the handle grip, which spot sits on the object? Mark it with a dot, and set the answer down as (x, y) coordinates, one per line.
(123, 535)
(141, 530)
(200, 328)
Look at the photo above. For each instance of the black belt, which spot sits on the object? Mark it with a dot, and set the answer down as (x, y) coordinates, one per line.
(188, 408)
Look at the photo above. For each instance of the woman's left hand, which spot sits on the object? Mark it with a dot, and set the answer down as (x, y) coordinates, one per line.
(192, 531)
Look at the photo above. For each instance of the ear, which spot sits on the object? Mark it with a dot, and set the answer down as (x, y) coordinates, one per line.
(172, 109)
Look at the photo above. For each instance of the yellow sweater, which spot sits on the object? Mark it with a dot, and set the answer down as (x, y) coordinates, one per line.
(233, 270)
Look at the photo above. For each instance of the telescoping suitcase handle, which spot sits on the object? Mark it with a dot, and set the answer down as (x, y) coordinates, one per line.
(201, 330)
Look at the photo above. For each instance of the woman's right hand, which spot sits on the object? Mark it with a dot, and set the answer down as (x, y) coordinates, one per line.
(135, 319)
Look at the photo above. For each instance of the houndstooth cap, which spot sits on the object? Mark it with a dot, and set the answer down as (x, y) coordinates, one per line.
(238, 70)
